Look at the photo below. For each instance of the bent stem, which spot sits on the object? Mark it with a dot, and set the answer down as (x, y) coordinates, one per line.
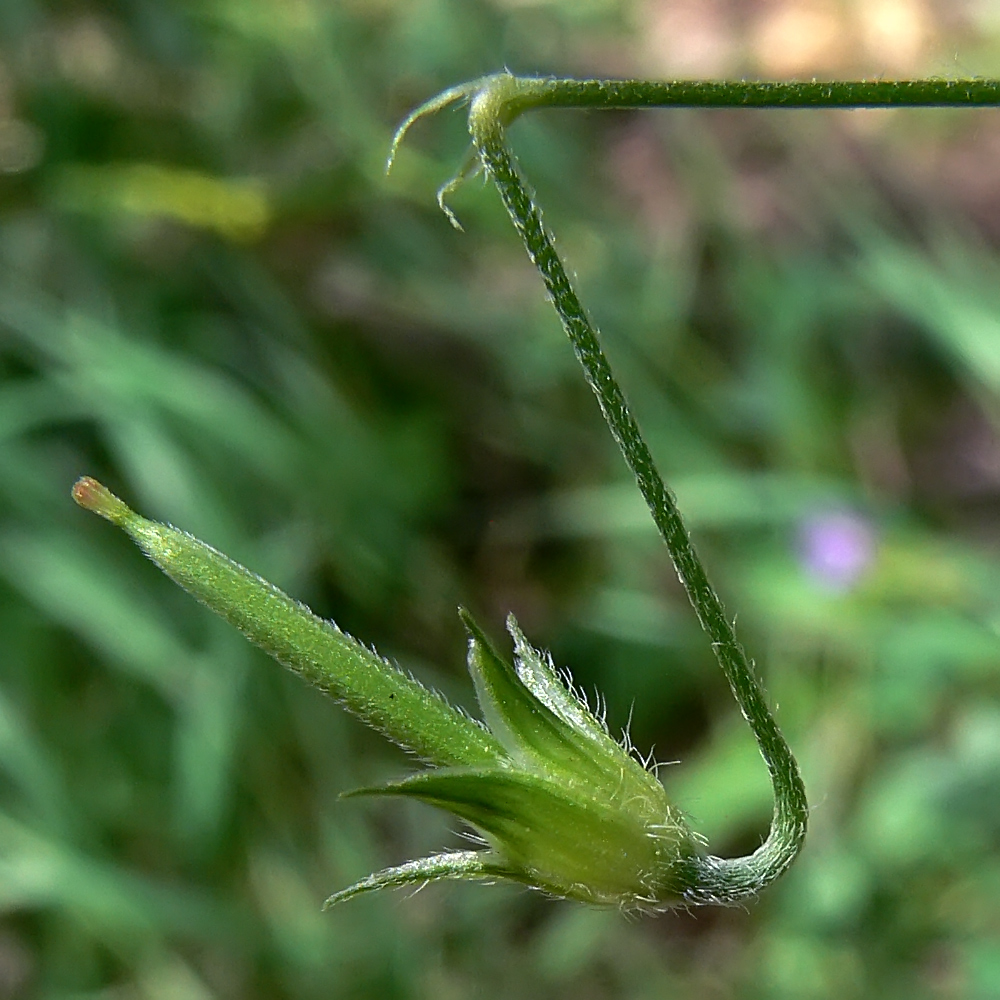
(494, 103)
(717, 879)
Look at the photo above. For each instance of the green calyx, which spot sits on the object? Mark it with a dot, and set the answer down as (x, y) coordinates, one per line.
(565, 841)
(569, 810)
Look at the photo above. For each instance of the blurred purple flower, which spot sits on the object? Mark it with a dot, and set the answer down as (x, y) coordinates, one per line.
(836, 547)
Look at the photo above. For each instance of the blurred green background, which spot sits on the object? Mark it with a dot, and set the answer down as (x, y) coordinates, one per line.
(213, 299)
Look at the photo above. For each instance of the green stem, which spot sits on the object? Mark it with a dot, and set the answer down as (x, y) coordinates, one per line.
(550, 92)
(503, 97)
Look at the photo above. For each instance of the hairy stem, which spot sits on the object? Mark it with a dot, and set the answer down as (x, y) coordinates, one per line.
(534, 92)
(503, 97)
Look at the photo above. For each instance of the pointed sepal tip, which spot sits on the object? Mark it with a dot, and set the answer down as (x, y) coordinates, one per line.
(453, 864)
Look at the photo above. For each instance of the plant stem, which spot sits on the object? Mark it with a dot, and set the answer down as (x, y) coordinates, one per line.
(718, 879)
(534, 92)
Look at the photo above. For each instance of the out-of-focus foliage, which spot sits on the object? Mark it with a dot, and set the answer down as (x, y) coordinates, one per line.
(212, 298)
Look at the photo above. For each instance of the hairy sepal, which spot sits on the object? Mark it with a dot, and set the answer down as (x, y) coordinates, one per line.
(558, 839)
(452, 864)
(548, 730)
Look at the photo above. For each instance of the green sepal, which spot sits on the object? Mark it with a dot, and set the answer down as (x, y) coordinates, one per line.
(540, 676)
(546, 728)
(453, 864)
(558, 838)
(534, 736)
